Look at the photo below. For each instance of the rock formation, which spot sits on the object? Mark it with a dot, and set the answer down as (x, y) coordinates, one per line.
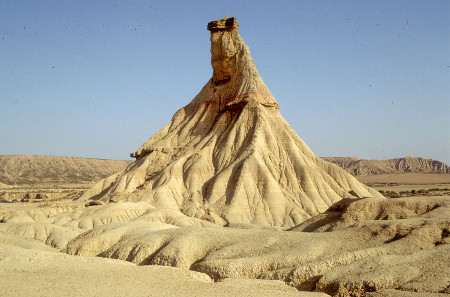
(359, 167)
(229, 156)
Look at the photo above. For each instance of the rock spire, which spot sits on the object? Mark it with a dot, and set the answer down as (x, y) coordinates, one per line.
(229, 156)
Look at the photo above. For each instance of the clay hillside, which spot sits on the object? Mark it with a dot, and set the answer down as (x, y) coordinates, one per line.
(360, 167)
(229, 156)
(49, 171)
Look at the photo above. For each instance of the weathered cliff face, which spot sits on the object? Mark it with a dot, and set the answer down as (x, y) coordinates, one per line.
(235, 77)
(229, 156)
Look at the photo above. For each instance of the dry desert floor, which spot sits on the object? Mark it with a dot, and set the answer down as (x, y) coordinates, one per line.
(52, 245)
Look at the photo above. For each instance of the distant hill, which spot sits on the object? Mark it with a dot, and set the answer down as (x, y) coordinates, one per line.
(360, 167)
(60, 172)
(49, 171)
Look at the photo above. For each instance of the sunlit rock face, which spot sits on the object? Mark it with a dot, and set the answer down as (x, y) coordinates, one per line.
(229, 156)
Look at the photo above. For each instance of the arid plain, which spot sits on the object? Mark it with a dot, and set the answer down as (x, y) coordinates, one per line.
(225, 200)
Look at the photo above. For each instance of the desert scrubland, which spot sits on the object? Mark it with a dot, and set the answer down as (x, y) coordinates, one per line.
(225, 200)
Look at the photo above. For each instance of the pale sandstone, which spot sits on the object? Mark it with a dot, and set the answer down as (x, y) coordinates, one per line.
(229, 156)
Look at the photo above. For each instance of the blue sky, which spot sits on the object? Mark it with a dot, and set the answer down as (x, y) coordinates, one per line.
(369, 79)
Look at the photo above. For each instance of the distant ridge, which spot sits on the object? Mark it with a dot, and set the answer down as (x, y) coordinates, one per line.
(50, 171)
(360, 167)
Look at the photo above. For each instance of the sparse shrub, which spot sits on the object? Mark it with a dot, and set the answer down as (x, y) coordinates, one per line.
(41, 196)
(94, 202)
(392, 194)
(395, 195)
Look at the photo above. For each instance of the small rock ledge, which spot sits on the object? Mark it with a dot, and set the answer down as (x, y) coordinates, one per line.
(226, 24)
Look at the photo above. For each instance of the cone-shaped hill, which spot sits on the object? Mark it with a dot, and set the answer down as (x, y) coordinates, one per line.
(229, 156)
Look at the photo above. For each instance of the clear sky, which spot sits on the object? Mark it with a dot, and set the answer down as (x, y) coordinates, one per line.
(96, 79)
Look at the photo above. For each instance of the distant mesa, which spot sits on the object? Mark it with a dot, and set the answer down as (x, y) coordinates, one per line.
(50, 172)
(360, 167)
(229, 156)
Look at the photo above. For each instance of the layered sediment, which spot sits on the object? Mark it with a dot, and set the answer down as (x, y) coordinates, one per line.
(229, 156)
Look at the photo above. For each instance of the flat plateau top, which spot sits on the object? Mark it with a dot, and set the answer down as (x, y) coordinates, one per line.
(226, 24)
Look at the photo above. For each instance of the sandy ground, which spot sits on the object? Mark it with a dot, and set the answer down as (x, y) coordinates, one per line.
(410, 187)
(25, 272)
(395, 247)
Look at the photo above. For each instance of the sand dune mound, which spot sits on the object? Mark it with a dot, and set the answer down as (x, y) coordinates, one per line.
(229, 156)
(349, 212)
(358, 232)
(50, 234)
(423, 271)
(356, 246)
(252, 251)
(413, 236)
(124, 212)
(57, 226)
